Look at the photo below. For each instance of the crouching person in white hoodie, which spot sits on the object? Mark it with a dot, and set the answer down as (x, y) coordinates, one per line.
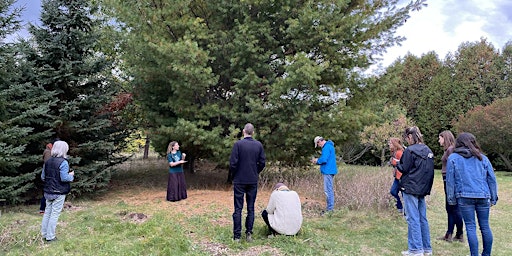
(283, 214)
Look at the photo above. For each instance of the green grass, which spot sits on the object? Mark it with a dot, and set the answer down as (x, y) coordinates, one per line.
(364, 223)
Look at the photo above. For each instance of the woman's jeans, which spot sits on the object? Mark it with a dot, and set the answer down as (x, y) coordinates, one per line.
(468, 207)
(395, 188)
(51, 216)
(454, 216)
(418, 231)
(329, 191)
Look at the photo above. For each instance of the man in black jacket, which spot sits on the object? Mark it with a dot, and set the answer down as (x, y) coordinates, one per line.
(247, 160)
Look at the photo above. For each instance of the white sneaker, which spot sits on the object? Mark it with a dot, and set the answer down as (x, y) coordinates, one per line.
(427, 254)
(407, 253)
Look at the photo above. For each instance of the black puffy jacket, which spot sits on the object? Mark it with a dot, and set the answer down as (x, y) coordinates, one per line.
(417, 167)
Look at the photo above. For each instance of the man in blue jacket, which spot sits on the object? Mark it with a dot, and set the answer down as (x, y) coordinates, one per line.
(246, 162)
(328, 168)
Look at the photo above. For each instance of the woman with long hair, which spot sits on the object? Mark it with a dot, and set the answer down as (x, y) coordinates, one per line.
(176, 186)
(471, 184)
(447, 141)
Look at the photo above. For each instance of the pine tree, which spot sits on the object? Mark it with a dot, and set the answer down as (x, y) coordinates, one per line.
(70, 64)
(202, 69)
(24, 110)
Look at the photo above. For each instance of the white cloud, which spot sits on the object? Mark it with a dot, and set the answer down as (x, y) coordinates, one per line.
(444, 25)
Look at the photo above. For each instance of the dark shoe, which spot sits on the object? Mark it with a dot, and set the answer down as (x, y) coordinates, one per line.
(327, 212)
(459, 238)
(248, 237)
(52, 240)
(447, 238)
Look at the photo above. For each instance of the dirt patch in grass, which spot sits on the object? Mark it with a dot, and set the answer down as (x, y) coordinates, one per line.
(145, 185)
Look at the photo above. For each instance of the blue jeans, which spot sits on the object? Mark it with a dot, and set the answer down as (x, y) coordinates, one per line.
(250, 191)
(418, 231)
(454, 216)
(51, 216)
(329, 191)
(468, 207)
(395, 188)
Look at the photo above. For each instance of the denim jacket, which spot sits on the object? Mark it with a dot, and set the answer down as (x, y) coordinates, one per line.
(469, 177)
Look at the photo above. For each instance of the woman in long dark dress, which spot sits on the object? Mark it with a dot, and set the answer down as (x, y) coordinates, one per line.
(176, 186)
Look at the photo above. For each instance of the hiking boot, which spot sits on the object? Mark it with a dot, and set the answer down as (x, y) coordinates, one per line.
(459, 238)
(447, 238)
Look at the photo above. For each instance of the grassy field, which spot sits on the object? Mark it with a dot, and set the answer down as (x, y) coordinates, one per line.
(133, 218)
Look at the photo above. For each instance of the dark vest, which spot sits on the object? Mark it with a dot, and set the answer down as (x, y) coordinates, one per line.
(52, 181)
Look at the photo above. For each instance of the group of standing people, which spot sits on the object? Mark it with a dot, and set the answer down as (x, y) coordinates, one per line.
(469, 184)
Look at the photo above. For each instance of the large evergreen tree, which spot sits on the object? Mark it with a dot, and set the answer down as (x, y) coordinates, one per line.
(24, 110)
(86, 113)
(204, 68)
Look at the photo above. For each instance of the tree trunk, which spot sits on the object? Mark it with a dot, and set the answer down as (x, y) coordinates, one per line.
(383, 157)
(507, 162)
(191, 164)
(146, 148)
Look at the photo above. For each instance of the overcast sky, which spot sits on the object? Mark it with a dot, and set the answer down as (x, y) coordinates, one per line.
(444, 24)
(441, 26)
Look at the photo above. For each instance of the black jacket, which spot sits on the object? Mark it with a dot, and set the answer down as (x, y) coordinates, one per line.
(417, 167)
(53, 183)
(247, 160)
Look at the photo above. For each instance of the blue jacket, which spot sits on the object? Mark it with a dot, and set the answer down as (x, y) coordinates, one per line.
(468, 177)
(417, 167)
(247, 160)
(327, 160)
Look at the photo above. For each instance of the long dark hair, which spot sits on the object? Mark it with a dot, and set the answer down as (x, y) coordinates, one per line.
(449, 140)
(468, 141)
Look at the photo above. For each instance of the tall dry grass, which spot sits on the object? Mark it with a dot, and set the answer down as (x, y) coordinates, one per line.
(355, 187)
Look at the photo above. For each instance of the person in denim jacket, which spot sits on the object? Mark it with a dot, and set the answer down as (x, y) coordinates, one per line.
(471, 183)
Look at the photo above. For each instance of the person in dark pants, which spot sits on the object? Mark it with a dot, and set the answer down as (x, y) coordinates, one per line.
(447, 141)
(283, 214)
(246, 162)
